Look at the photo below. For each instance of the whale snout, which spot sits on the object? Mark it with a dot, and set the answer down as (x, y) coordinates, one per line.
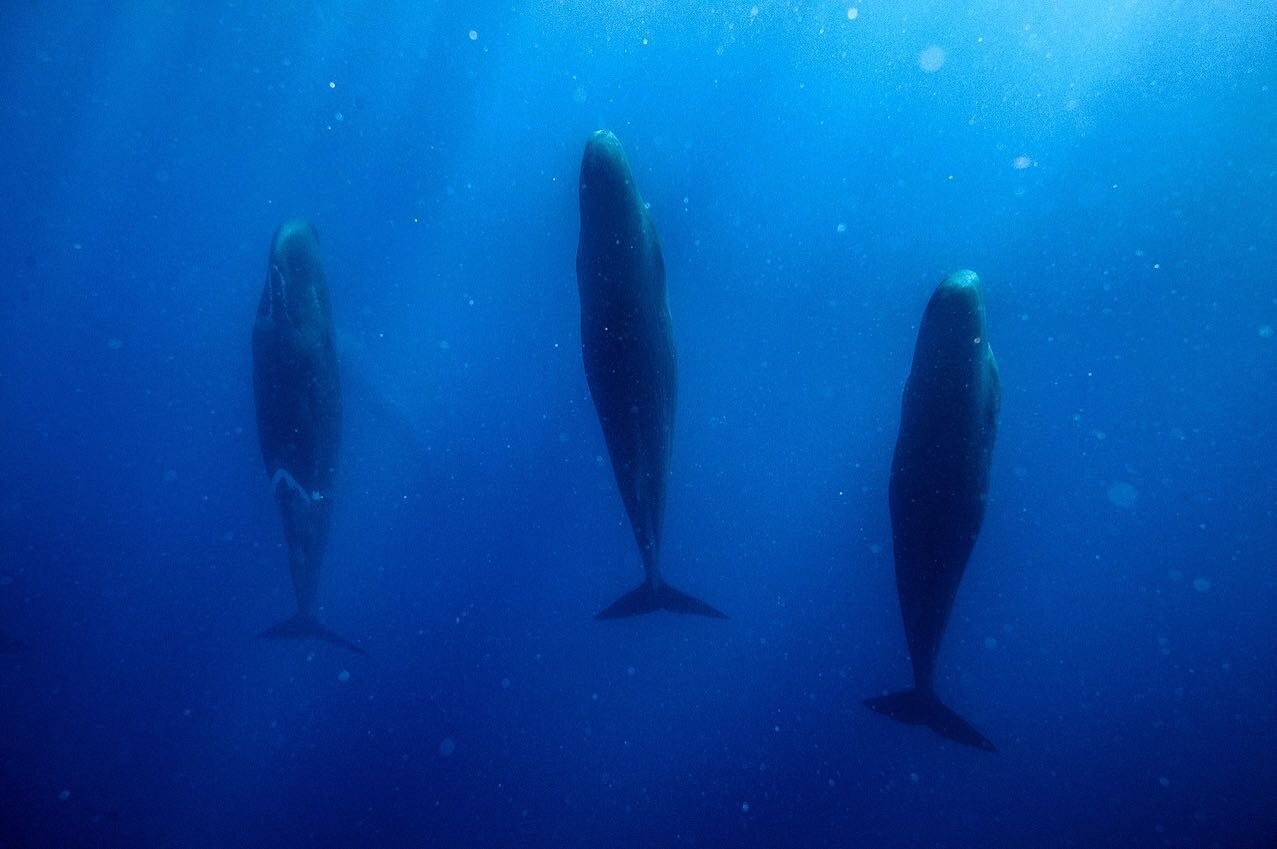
(295, 273)
(605, 172)
(954, 318)
(295, 238)
(602, 147)
(959, 295)
(963, 280)
(961, 291)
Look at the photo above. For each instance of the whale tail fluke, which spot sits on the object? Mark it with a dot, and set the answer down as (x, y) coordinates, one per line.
(920, 707)
(303, 626)
(645, 598)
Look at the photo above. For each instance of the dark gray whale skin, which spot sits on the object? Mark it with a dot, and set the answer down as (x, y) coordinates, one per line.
(297, 389)
(630, 364)
(939, 482)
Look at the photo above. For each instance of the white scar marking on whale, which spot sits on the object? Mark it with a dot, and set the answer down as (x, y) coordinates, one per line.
(282, 476)
(276, 274)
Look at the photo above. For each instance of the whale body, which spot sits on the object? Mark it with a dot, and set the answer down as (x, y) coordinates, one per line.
(939, 482)
(627, 344)
(297, 390)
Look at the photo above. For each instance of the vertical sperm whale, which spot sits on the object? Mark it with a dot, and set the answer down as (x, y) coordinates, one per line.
(939, 480)
(298, 394)
(630, 365)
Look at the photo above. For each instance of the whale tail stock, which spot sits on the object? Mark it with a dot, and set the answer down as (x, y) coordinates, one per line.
(921, 707)
(645, 598)
(302, 626)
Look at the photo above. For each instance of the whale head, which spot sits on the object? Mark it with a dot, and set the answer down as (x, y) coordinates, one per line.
(952, 332)
(607, 186)
(295, 275)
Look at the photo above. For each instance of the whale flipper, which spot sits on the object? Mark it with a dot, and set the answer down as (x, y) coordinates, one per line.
(302, 626)
(917, 707)
(644, 599)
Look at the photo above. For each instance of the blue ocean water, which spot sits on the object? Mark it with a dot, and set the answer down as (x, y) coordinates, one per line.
(814, 169)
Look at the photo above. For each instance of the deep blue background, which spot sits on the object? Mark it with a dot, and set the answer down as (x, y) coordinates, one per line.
(811, 182)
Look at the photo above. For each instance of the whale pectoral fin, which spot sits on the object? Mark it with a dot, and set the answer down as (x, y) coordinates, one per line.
(302, 626)
(645, 599)
(916, 707)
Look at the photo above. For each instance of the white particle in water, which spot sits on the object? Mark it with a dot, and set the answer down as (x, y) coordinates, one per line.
(1122, 494)
(931, 59)
(343, 676)
(474, 35)
(852, 13)
(1201, 584)
(744, 807)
